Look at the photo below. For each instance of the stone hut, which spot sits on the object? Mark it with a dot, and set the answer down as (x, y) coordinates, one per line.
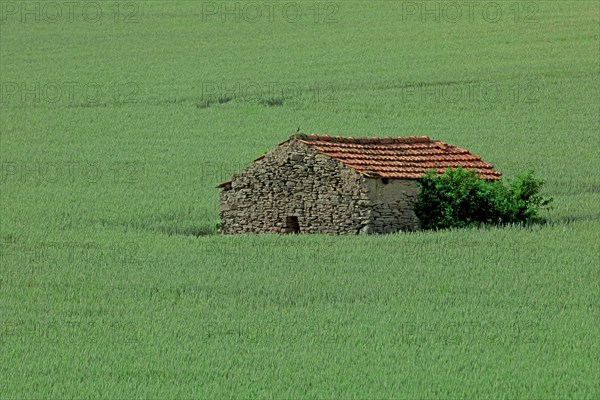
(336, 185)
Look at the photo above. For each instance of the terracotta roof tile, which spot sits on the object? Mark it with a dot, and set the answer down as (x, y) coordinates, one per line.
(396, 158)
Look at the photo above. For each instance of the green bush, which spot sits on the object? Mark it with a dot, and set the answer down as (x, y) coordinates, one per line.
(458, 198)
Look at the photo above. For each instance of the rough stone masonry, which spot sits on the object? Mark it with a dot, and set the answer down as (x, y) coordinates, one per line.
(295, 189)
(337, 185)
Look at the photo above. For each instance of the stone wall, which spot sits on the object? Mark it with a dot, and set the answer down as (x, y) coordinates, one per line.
(392, 205)
(295, 183)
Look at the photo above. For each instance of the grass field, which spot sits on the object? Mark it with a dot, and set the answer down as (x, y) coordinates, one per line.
(117, 121)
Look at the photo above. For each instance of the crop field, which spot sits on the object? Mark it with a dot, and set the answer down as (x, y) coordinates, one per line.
(119, 119)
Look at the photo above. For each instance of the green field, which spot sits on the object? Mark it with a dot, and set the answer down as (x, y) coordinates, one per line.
(118, 120)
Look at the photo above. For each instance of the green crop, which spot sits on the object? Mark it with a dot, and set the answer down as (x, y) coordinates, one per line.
(116, 128)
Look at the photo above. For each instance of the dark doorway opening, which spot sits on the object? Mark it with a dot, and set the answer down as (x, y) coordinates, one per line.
(292, 225)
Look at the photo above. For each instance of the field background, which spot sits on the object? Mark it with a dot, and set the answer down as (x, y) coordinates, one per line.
(113, 283)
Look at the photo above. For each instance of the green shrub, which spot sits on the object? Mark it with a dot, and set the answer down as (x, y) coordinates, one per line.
(458, 198)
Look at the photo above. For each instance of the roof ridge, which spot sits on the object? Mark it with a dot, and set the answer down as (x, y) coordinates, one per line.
(366, 140)
(394, 158)
(379, 155)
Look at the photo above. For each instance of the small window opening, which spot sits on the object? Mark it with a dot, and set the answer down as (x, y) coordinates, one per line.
(292, 225)
(385, 181)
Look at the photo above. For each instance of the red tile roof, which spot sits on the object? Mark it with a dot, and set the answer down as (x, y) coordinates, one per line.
(394, 158)
(397, 158)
